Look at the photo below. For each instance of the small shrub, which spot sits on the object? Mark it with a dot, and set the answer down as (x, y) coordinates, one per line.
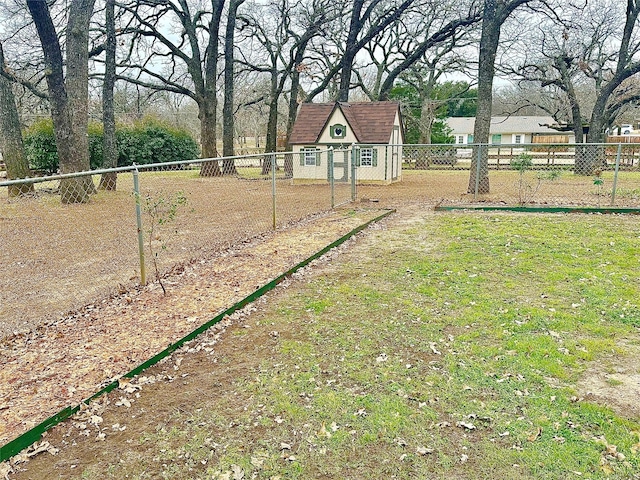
(151, 141)
(522, 162)
(40, 147)
(162, 210)
(526, 188)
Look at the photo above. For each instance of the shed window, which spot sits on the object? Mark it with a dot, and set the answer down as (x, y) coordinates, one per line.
(366, 157)
(496, 139)
(460, 139)
(517, 139)
(309, 157)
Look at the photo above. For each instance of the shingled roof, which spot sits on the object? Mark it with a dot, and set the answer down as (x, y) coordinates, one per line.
(503, 125)
(371, 122)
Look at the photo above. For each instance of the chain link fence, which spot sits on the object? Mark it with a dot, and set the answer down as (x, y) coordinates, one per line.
(594, 175)
(69, 240)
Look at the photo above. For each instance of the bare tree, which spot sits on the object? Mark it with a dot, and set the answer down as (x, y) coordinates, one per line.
(600, 55)
(109, 145)
(190, 59)
(283, 30)
(11, 137)
(494, 14)
(228, 132)
(419, 51)
(68, 94)
(436, 44)
(366, 20)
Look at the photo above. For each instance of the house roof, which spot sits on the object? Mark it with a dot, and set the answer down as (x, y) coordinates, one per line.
(371, 122)
(511, 124)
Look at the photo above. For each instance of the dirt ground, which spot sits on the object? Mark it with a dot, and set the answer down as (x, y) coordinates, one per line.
(615, 382)
(97, 434)
(62, 363)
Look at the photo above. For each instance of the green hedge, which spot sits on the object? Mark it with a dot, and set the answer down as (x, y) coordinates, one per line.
(144, 142)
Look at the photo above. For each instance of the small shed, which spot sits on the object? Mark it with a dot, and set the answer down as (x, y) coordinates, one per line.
(374, 127)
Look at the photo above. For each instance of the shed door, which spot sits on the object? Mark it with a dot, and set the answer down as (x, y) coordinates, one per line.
(340, 164)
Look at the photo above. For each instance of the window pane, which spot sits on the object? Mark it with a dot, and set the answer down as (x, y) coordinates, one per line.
(366, 157)
(309, 157)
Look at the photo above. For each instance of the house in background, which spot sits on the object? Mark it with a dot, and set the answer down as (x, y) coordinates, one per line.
(375, 128)
(512, 130)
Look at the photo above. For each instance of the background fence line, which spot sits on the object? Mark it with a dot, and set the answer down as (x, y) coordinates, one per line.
(57, 257)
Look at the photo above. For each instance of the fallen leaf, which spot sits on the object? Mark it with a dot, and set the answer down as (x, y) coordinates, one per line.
(534, 436)
(424, 450)
(400, 441)
(323, 432)
(37, 448)
(238, 472)
(5, 470)
(467, 425)
(605, 466)
(123, 402)
(95, 419)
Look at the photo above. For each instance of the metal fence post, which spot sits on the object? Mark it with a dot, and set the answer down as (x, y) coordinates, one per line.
(331, 176)
(615, 175)
(478, 160)
(273, 187)
(353, 172)
(136, 193)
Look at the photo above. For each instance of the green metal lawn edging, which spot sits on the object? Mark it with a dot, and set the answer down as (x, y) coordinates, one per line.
(29, 438)
(540, 209)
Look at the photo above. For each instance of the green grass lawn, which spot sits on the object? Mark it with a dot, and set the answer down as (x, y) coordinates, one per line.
(447, 347)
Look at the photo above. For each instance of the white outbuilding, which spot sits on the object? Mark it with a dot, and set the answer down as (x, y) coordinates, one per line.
(375, 128)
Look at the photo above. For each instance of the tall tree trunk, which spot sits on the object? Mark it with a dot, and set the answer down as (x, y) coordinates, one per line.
(207, 116)
(208, 107)
(109, 145)
(11, 138)
(271, 142)
(68, 99)
(425, 125)
(228, 131)
(489, 40)
(351, 49)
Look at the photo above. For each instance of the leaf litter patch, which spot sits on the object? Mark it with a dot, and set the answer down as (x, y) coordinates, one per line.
(205, 369)
(64, 362)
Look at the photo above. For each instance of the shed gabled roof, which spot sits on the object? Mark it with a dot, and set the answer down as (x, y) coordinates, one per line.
(371, 122)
